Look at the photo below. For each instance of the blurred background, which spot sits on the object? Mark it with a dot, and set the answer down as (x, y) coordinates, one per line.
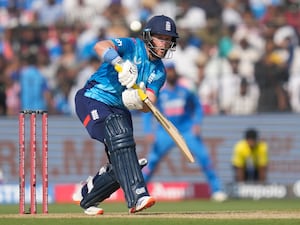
(242, 57)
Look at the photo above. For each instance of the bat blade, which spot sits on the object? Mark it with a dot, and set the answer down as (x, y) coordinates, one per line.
(172, 130)
(169, 127)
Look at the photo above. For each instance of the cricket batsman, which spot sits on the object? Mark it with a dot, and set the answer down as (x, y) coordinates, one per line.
(103, 106)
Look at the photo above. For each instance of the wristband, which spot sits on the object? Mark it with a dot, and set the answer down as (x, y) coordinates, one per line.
(111, 56)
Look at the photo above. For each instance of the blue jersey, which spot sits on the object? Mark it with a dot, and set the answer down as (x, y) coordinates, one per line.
(104, 85)
(33, 86)
(180, 106)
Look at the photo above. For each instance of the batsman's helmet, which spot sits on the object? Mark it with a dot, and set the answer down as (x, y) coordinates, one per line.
(162, 25)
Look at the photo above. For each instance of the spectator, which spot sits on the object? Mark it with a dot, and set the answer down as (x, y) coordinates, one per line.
(189, 15)
(80, 11)
(207, 88)
(65, 78)
(43, 26)
(245, 101)
(81, 79)
(182, 108)
(229, 82)
(6, 48)
(35, 94)
(237, 94)
(250, 158)
(271, 75)
(2, 86)
(294, 92)
(50, 13)
(185, 56)
(1, 177)
(68, 56)
(292, 14)
(12, 86)
(231, 15)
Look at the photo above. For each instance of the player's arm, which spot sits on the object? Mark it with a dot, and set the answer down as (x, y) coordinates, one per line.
(262, 173)
(238, 164)
(102, 46)
(197, 113)
(109, 51)
(133, 99)
(151, 96)
(239, 174)
(263, 162)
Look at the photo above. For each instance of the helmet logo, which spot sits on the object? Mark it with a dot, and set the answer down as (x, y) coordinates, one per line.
(168, 26)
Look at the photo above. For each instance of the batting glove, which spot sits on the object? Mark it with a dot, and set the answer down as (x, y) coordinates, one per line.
(128, 75)
(132, 99)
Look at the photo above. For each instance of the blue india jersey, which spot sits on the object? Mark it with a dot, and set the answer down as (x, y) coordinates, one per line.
(181, 106)
(33, 86)
(104, 85)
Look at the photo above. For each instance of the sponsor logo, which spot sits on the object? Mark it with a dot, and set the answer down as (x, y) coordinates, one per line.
(137, 61)
(118, 41)
(151, 77)
(95, 114)
(168, 26)
(296, 188)
(256, 191)
(140, 190)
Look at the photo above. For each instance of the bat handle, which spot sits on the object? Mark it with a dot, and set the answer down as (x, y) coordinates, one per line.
(141, 93)
(118, 68)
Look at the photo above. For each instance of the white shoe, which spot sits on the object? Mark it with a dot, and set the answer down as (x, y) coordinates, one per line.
(77, 196)
(219, 196)
(93, 210)
(143, 203)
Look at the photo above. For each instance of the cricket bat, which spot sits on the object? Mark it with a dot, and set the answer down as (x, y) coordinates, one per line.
(167, 125)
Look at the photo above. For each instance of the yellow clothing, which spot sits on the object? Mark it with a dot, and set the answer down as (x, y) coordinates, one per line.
(242, 154)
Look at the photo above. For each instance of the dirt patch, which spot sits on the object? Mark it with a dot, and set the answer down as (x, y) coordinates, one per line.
(192, 215)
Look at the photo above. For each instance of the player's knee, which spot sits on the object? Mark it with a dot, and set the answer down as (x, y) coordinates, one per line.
(118, 133)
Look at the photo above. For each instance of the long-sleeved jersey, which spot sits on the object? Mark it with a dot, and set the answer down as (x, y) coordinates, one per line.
(104, 86)
(180, 106)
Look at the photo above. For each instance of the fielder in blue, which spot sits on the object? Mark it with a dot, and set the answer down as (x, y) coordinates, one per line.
(103, 106)
(182, 107)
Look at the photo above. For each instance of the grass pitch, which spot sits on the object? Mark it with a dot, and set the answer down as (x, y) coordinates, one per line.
(198, 212)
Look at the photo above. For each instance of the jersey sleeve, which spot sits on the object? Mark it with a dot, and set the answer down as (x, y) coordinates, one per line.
(237, 157)
(157, 80)
(263, 154)
(123, 45)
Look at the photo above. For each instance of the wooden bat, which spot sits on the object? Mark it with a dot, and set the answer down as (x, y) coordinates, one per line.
(167, 125)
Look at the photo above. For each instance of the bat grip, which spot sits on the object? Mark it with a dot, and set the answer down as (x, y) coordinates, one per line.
(141, 93)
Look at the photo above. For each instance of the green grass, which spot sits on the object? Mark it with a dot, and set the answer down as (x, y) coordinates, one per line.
(166, 213)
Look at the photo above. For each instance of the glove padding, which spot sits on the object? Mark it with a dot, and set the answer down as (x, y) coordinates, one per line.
(128, 75)
(131, 98)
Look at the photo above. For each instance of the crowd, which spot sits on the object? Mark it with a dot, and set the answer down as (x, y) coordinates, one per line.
(241, 57)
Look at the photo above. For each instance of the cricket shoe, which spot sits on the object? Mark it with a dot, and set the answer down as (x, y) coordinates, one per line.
(93, 211)
(77, 195)
(143, 203)
(219, 196)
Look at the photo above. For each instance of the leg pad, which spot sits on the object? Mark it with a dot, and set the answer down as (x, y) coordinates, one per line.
(121, 149)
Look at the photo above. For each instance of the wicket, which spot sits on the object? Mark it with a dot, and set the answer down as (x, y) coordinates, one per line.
(33, 166)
